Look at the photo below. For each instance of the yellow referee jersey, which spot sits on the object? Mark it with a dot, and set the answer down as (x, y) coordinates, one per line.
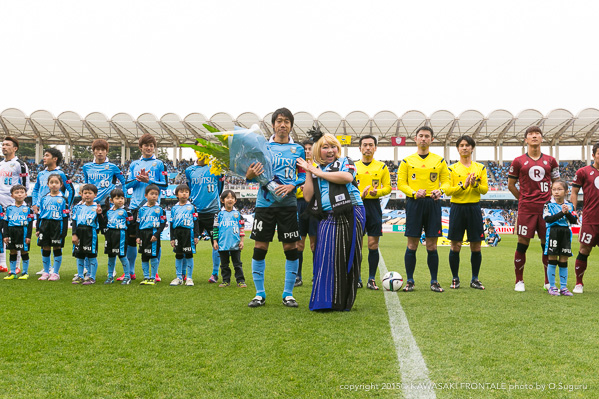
(457, 177)
(375, 175)
(429, 173)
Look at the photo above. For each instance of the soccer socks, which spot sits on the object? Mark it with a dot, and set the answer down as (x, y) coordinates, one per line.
(80, 267)
(433, 264)
(145, 267)
(373, 263)
(454, 263)
(545, 263)
(188, 265)
(111, 265)
(46, 260)
(25, 258)
(476, 259)
(580, 267)
(410, 262)
(563, 274)
(551, 272)
(13, 263)
(131, 256)
(258, 267)
(154, 262)
(215, 262)
(290, 275)
(93, 268)
(519, 261)
(125, 263)
(57, 259)
(179, 266)
(300, 262)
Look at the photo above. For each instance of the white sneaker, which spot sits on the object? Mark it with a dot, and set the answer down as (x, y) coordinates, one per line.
(546, 287)
(519, 286)
(189, 282)
(40, 272)
(578, 289)
(177, 281)
(52, 270)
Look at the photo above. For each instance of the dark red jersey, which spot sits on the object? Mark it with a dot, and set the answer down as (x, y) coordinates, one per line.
(587, 178)
(535, 181)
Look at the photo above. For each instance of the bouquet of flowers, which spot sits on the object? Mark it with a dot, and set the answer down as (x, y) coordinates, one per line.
(238, 149)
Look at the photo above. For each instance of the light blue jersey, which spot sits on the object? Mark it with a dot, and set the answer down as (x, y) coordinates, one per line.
(151, 217)
(53, 207)
(205, 188)
(18, 215)
(104, 176)
(284, 157)
(343, 165)
(118, 219)
(228, 230)
(553, 208)
(183, 216)
(41, 186)
(157, 174)
(85, 215)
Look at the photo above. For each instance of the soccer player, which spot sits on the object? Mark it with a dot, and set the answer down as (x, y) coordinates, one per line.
(102, 174)
(205, 191)
(115, 225)
(308, 224)
(52, 160)
(228, 239)
(586, 178)
(468, 180)
(142, 172)
(53, 224)
(85, 226)
(423, 177)
(151, 220)
(558, 214)
(535, 172)
(374, 182)
(185, 233)
(281, 215)
(13, 172)
(18, 225)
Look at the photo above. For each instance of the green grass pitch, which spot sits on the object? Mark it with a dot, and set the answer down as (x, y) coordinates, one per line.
(115, 341)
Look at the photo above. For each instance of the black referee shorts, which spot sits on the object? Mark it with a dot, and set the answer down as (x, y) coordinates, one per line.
(466, 217)
(423, 213)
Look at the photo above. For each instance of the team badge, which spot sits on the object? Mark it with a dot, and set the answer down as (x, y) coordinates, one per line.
(156, 210)
(293, 150)
(413, 176)
(59, 201)
(189, 207)
(545, 162)
(24, 210)
(434, 176)
(154, 163)
(106, 167)
(120, 213)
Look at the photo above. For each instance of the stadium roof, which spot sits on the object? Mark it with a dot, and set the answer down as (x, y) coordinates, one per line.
(499, 128)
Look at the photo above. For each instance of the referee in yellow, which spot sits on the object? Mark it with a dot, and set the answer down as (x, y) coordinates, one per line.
(468, 180)
(374, 182)
(423, 177)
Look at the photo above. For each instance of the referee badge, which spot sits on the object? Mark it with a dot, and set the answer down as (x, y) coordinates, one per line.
(413, 176)
(434, 176)
(375, 183)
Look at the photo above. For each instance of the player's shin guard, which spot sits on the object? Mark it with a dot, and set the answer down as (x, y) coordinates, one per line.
(188, 266)
(80, 267)
(111, 265)
(519, 261)
(215, 262)
(145, 267)
(13, 263)
(373, 263)
(125, 263)
(290, 271)
(551, 266)
(258, 266)
(25, 258)
(179, 265)
(433, 264)
(57, 260)
(131, 256)
(93, 268)
(476, 259)
(563, 274)
(155, 262)
(580, 267)
(410, 262)
(454, 263)
(46, 260)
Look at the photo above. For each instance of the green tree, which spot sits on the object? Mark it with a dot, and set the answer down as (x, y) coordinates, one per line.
(26, 150)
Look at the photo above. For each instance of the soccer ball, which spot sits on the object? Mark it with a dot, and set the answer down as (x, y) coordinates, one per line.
(392, 281)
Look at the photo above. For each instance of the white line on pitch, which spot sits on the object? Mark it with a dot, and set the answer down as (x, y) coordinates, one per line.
(414, 373)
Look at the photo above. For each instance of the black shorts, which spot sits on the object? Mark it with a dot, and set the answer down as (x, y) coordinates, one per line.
(147, 247)
(132, 228)
(88, 243)
(183, 241)
(52, 233)
(115, 243)
(206, 222)
(308, 224)
(558, 241)
(374, 217)
(16, 238)
(282, 218)
(423, 213)
(466, 217)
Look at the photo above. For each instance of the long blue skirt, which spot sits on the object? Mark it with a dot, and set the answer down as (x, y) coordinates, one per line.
(335, 279)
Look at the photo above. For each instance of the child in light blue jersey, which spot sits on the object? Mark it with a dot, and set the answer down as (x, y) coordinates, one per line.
(151, 220)
(53, 223)
(185, 232)
(114, 225)
(85, 226)
(558, 214)
(17, 226)
(228, 239)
